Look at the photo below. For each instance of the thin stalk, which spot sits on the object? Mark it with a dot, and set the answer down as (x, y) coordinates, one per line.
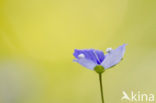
(101, 87)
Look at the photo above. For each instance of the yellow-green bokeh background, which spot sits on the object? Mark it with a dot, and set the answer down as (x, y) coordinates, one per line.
(44, 33)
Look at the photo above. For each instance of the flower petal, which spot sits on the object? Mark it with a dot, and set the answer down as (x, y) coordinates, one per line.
(95, 56)
(86, 63)
(114, 57)
(100, 55)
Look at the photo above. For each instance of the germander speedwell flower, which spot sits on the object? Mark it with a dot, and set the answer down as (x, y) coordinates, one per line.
(96, 60)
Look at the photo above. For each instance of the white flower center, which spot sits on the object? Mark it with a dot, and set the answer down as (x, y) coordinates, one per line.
(81, 56)
(108, 50)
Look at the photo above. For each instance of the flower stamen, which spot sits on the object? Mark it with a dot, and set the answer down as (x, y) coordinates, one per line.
(81, 56)
(108, 50)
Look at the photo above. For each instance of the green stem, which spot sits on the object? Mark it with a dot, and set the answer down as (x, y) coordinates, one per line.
(101, 87)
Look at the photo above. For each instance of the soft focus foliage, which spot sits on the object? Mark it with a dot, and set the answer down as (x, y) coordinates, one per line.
(37, 39)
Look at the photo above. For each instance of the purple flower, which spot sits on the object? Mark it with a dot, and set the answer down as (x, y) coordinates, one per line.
(90, 58)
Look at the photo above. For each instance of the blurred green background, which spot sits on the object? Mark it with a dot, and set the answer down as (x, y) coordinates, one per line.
(37, 39)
